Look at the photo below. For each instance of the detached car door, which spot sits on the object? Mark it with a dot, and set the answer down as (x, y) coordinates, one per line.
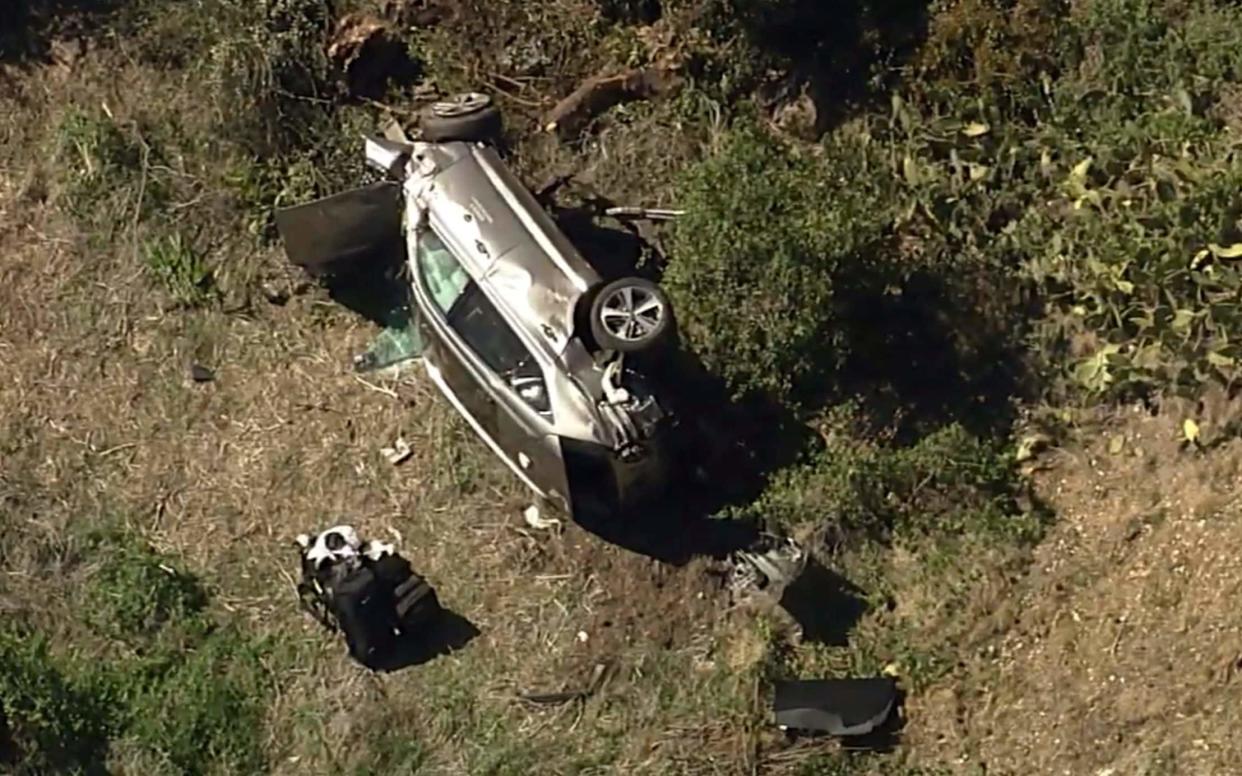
(486, 365)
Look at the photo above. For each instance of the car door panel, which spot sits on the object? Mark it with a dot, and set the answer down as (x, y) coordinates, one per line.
(533, 449)
(475, 352)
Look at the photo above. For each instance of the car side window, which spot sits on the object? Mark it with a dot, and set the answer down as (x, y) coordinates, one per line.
(443, 274)
(477, 321)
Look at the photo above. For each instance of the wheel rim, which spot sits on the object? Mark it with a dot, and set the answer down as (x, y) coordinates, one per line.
(460, 105)
(632, 314)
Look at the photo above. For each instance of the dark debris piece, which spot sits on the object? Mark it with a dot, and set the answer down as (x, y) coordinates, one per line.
(201, 374)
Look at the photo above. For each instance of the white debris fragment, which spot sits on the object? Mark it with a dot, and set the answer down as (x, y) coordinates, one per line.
(398, 453)
(582, 636)
(377, 549)
(537, 521)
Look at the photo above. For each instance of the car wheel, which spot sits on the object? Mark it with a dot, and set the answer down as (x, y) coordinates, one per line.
(631, 315)
(469, 117)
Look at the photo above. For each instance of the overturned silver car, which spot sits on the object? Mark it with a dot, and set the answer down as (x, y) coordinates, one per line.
(524, 337)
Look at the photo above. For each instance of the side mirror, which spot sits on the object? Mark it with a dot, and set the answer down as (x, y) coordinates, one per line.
(387, 156)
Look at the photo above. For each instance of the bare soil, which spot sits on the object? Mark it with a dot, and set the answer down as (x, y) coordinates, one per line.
(1120, 652)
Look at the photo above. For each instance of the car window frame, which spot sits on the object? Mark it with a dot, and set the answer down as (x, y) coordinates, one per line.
(460, 343)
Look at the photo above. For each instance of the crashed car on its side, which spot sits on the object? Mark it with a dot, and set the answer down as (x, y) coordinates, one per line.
(523, 336)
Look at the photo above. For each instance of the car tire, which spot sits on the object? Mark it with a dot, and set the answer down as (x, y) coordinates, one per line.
(469, 117)
(631, 315)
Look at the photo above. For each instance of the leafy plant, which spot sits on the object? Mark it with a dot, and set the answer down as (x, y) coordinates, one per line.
(135, 592)
(181, 268)
(768, 234)
(59, 722)
(862, 487)
(272, 82)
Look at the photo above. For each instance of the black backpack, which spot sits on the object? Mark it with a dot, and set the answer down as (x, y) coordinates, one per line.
(372, 603)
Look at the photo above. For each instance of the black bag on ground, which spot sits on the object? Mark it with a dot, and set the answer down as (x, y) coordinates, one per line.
(363, 609)
(373, 603)
(414, 601)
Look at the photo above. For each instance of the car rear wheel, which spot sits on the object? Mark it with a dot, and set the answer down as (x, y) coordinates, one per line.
(631, 315)
(469, 117)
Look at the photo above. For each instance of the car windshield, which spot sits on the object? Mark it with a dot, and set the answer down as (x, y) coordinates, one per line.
(477, 321)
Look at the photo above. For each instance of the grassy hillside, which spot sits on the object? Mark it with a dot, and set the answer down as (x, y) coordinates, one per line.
(961, 276)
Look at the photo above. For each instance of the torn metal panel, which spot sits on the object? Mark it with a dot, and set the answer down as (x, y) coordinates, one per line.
(839, 707)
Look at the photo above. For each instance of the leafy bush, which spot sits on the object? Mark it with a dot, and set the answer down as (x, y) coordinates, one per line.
(860, 486)
(59, 722)
(135, 592)
(767, 234)
(1000, 45)
(205, 715)
(1113, 191)
(1143, 202)
(273, 85)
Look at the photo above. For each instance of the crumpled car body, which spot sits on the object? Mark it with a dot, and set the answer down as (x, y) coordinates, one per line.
(498, 293)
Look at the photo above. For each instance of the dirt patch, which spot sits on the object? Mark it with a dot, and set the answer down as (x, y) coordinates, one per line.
(638, 601)
(1121, 651)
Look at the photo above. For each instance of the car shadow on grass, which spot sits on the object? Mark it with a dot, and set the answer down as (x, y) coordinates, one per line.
(825, 604)
(724, 452)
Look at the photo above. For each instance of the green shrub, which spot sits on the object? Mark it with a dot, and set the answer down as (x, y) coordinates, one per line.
(1142, 210)
(1107, 194)
(272, 83)
(59, 722)
(768, 234)
(858, 485)
(998, 45)
(135, 592)
(206, 714)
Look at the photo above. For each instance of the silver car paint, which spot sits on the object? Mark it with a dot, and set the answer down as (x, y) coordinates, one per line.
(527, 268)
(523, 263)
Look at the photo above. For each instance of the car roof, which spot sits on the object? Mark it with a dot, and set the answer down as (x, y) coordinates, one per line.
(507, 240)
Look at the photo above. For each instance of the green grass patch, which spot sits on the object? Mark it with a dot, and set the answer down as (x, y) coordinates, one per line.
(181, 269)
(104, 169)
(393, 751)
(184, 693)
(58, 713)
(134, 592)
(205, 715)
